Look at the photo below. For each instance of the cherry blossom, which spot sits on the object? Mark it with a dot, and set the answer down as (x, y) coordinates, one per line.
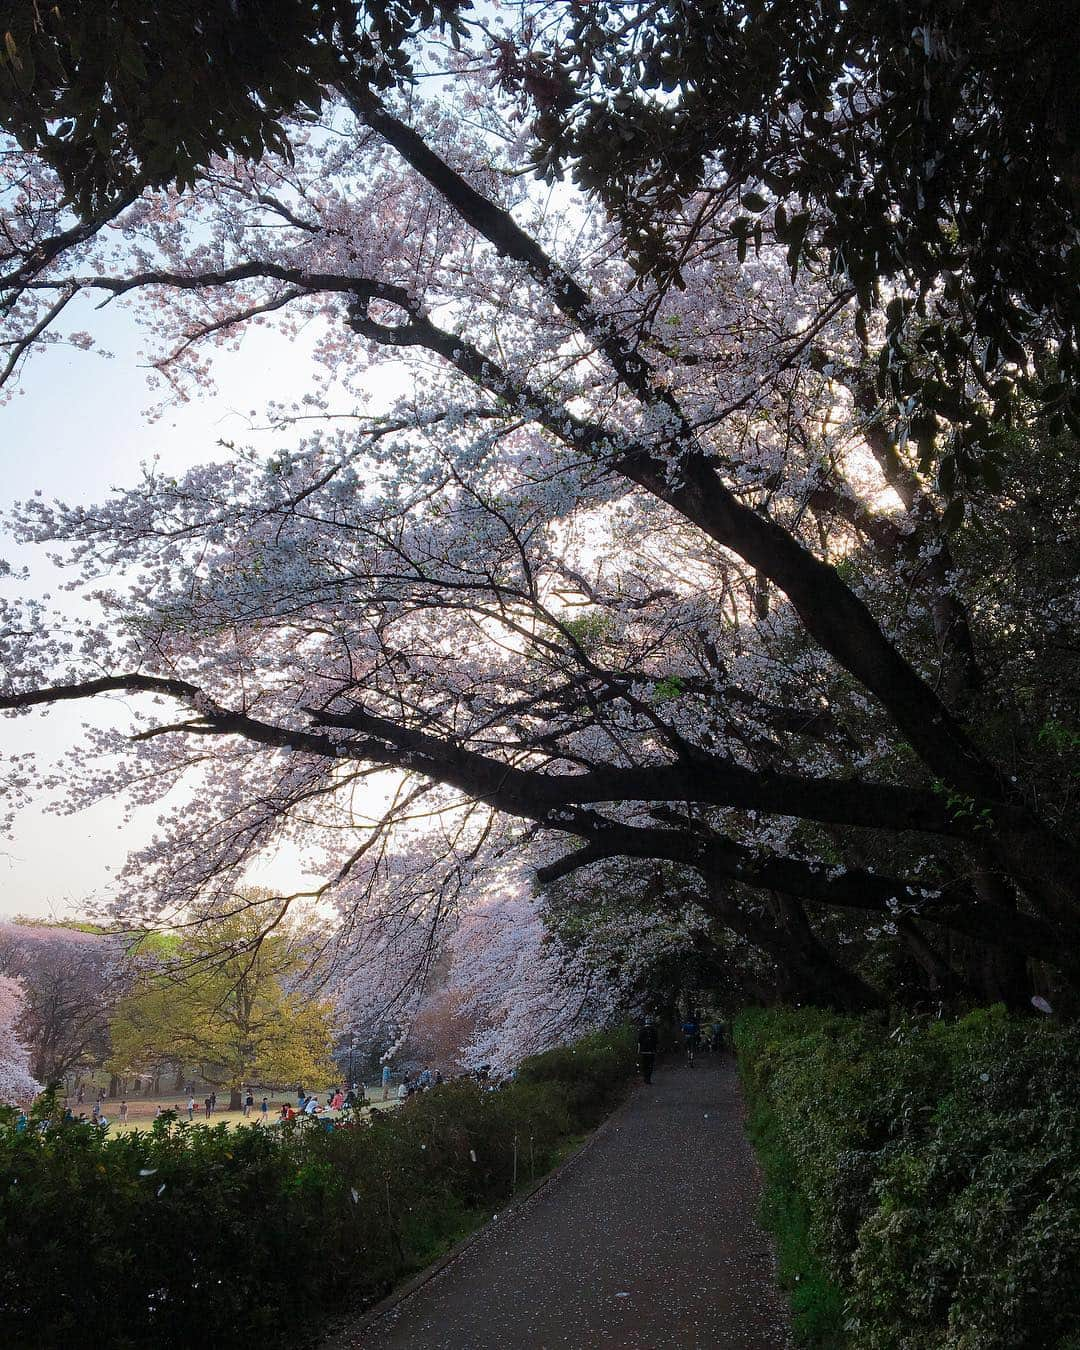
(16, 1084)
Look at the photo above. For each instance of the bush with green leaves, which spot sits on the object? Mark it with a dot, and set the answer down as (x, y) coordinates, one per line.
(938, 1168)
(149, 1237)
(593, 1070)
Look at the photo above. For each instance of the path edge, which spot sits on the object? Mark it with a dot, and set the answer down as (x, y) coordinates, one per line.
(341, 1329)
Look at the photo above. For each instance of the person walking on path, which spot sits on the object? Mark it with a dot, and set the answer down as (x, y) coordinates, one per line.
(646, 1044)
(123, 1112)
(207, 1104)
(249, 1102)
(265, 1109)
(691, 1030)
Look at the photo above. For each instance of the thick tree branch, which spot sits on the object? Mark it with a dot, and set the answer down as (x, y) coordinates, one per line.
(708, 780)
(720, 859)
(688, 480)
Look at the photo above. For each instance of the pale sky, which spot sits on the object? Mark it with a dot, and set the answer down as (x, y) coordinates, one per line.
(76, 427)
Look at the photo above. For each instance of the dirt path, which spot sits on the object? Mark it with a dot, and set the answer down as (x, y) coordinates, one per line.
(647, 1241)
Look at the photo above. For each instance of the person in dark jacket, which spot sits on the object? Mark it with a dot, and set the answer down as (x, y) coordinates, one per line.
(646, 1044)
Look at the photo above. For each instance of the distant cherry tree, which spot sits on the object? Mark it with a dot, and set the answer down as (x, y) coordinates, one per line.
(16, 1084)
(71, 980)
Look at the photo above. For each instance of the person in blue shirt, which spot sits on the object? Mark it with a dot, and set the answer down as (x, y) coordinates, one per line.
(691, 1030)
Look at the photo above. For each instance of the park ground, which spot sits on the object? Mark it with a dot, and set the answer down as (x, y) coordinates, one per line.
(142, 1111)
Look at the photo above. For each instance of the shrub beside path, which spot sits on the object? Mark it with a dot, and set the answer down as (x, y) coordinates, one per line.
(647, 1240)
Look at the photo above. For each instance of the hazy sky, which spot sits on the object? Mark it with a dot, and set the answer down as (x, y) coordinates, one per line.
(76, 427)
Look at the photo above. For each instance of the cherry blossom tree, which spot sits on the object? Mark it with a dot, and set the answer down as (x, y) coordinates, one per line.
(70, 981)
(629, 573)
(16, 1084)
(527, 984)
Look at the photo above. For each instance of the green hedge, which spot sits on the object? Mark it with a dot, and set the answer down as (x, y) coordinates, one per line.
(161, 1237)
(931, 1171)
(593, 1071)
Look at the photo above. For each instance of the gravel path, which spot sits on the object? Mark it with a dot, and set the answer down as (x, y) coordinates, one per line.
(646, 1241)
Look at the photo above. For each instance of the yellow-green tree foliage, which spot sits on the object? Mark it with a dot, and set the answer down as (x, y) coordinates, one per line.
(230, 1001)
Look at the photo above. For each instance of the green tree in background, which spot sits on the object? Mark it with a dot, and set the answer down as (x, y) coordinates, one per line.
(231, 1002)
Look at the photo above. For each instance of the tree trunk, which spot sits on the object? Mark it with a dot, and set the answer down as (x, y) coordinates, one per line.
(943, 982)
(1004, 973)
(808, 972)
(235, 1104)
(816, 976)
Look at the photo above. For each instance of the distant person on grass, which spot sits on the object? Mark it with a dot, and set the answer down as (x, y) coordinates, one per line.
(123, 1112)
(190, 1107)
(265, 1109)
(249, 1102)
(647, 1042)
(207, 1106)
